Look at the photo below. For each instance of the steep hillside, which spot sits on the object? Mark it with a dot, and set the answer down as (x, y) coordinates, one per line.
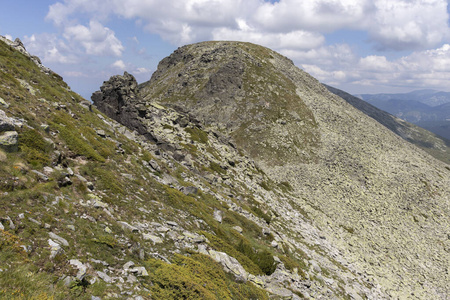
(237, 176)
(379, 201)
(93, 210)
(436, 146)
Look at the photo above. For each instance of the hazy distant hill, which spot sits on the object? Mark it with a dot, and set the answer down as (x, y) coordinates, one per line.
(435, 145)
(428, 97)
(427, 108)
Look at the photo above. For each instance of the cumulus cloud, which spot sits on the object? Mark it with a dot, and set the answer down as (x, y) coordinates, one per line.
(96, 39)
(421, 69)
(397, 25)
(296, 28)
(50, 48)
(119, 64)
(405, 24)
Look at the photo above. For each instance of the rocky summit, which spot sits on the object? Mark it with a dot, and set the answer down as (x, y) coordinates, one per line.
(230, 174)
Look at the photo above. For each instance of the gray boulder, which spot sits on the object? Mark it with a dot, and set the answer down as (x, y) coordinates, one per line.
(6, 123)
(9, 141)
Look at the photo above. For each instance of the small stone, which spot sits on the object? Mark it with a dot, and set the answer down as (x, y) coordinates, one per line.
(108, 230)
(68, 280)
(11, 223)
(55, 248)
(82, 269)
(128, 265)
(45, 127)
(189, 190)
(274, 244)
(71, 227)
(3, 102)
(59, 239)
(100, 204)
(238, 229)
(139, 271)
(256, 280)
(48, 170)
(218, 215)
(173, 224)
(101, 133)
(81, 178)
(1, 226)
(105, 277)
(154, 165)
(6, 123)
(41, 176)
(155, 239)
(131, 278)
(127, 226)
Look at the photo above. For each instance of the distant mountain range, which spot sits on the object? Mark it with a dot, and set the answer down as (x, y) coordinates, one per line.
(429, 109)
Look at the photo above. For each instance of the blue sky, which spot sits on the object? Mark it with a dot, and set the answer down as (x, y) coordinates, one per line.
(360, 46)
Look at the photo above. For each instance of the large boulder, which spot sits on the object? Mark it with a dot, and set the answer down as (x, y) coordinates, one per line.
(6, 123)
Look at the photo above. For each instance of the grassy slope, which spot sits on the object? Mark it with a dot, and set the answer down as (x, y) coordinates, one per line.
(38, 207)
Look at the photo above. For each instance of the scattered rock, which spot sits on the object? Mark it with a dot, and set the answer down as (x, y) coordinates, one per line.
(6, 123)
(230, 263)
(105, 277)
(238, 229)
(154, 165)
(127, 226)
(139, 271)
(189, 190)
(9, 141)
(62, 241)
(3, 102)
(55, 248)
(41, 176)
(128, 265)
(171, 223)
(155, 239)
(218, 215)
(82, 269)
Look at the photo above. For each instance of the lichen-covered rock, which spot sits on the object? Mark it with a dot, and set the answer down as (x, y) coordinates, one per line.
(9, 141)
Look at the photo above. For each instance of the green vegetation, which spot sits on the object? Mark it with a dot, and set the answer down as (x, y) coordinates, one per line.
(35, 149)
(197, 135)
(196, 277)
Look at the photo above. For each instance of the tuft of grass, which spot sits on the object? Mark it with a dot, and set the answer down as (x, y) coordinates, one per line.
(197, 135)
(34, 148)
(197, 277)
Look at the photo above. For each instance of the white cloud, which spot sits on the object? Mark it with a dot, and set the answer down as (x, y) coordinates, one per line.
(422, 69)
(406, 24)
(50, 49)
(119, 64)
(391, 24)
(375, 63)
(96, 39)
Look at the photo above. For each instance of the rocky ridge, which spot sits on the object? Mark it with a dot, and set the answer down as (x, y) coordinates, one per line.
(355, 178)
